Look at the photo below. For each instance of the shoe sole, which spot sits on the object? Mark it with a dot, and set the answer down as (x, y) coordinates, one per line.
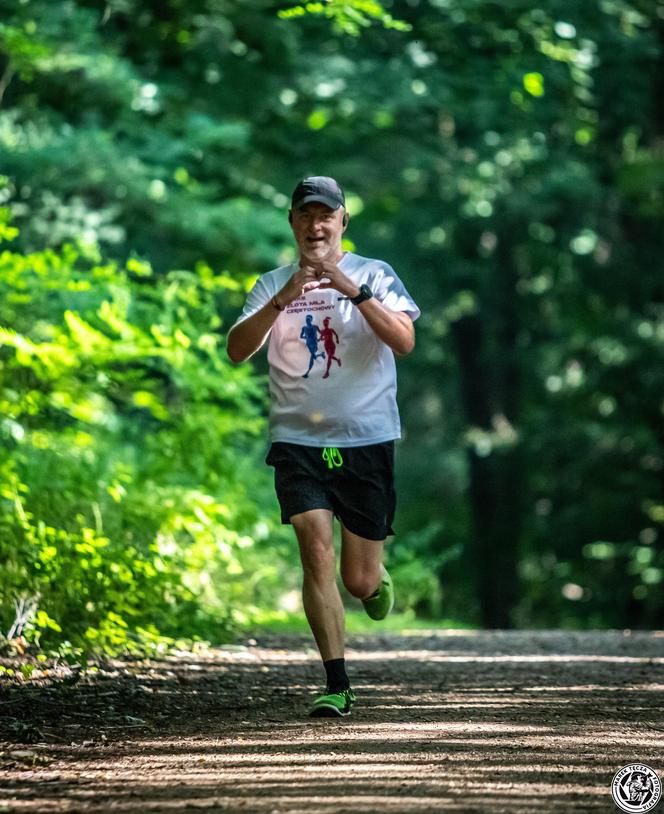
(327, 711)
(380, 617)
(383, 615)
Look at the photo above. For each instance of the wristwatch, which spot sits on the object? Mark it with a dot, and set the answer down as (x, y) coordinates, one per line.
(365, 294)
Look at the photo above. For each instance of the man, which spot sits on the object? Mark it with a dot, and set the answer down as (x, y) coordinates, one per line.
(332, 436)
(327, 335)
(310, 334)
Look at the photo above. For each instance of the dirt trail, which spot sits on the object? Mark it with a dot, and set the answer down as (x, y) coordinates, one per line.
(452, 721)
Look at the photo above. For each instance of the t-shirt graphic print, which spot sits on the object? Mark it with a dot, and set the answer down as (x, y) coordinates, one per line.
(332, 381)
(312, 335)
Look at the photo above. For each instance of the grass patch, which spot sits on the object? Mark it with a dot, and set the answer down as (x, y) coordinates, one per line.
(356, 622)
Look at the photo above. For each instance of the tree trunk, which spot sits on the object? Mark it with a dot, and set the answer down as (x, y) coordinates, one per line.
(490, 386)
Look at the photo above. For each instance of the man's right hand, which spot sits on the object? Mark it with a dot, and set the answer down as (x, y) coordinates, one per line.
(303, 280)
(245, 338)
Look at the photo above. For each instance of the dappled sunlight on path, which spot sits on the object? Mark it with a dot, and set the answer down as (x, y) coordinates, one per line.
(472, 722)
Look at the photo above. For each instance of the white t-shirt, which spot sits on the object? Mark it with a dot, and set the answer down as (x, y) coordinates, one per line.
(332, 380)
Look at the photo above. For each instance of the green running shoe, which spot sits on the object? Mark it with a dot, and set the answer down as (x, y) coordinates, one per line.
(381, 601)
(333, 705)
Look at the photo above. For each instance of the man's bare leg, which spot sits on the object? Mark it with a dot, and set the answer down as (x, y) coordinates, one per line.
(361, 562)
(320, 595)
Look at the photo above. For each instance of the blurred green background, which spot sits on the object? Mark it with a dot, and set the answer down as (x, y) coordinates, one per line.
(506, 158)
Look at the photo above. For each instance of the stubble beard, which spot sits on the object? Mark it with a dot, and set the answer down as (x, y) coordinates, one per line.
(321, 253)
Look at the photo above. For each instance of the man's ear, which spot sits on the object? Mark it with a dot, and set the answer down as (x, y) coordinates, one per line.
(345, 220)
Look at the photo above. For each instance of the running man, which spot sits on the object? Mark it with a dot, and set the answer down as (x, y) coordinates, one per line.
(309, 333)
(332, 439)
(328, 335)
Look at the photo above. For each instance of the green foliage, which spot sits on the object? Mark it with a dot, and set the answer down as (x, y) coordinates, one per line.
(415, 567)
(347, 17)
(126, 510)
(505, 158)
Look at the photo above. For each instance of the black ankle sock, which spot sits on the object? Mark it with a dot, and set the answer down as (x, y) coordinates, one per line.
(337, 679)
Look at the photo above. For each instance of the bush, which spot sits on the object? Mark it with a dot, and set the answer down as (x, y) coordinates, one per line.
(130, 504)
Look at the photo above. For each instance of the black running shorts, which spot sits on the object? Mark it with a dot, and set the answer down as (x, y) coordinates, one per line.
(355, 483)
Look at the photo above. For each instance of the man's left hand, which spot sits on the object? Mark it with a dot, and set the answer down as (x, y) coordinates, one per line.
(332, 276)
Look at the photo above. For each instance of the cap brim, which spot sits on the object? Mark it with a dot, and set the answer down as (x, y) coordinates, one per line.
(331, 202)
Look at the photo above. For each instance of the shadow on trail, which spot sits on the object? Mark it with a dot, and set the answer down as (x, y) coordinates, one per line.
(473, 722)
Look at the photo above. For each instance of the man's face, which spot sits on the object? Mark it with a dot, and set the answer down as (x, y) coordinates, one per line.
(318, 230)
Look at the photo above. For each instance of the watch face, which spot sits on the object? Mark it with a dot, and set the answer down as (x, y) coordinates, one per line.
(365, 294)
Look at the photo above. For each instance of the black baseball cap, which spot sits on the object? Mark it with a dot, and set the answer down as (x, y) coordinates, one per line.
(318, 188)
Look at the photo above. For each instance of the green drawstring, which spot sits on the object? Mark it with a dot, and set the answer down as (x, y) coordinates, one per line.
(332, 457)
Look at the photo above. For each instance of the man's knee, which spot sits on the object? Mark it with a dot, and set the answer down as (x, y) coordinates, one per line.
(316, 547)
(317, 556)
(360, 583)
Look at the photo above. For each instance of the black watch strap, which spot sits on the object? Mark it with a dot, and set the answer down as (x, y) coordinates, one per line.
(365, 294)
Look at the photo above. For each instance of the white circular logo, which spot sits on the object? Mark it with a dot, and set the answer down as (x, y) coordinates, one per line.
(636, 788)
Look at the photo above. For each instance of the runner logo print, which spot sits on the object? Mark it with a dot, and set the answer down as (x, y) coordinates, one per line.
(312, 334)
(636, 788)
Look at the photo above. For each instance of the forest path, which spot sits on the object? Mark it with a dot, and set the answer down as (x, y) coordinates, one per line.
(462, 721)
